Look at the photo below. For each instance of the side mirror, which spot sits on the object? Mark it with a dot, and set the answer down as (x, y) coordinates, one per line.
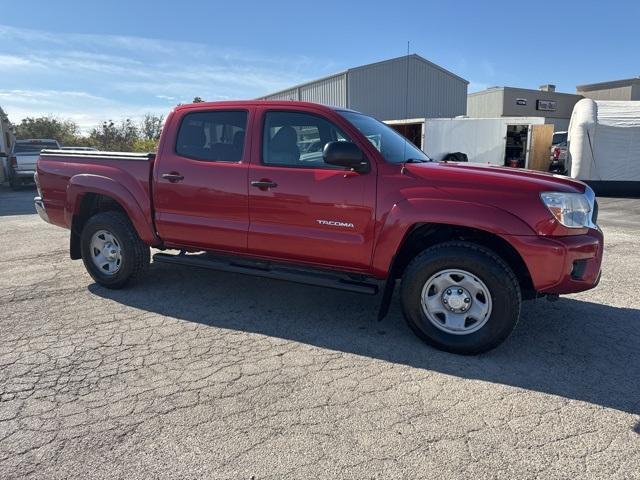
(345, 154)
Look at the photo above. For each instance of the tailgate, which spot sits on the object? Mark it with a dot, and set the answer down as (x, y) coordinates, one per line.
(27, 161)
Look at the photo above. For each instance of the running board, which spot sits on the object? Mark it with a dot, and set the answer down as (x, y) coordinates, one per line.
(320, 278)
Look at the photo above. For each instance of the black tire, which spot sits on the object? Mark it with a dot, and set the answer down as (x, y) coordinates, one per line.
(482, 263)
(135, 255)
(14, 182)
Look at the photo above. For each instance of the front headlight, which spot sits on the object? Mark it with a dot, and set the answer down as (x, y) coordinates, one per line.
(572, 210)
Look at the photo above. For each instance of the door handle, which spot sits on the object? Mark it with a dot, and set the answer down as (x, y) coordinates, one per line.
(173, 177)
(264, 184)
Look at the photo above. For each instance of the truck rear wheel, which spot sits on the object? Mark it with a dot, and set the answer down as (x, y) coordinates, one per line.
(460, 297)
(112, 252)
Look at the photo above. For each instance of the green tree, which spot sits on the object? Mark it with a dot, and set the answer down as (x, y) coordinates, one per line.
(111, 136)
(66, 132)
(145, 145)
(151, 126)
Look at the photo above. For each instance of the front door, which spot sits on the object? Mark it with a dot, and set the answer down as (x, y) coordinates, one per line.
(200, 193)
(302, 209)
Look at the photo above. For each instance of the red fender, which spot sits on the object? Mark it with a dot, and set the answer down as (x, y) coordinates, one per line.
(404, 215)
(140, 215)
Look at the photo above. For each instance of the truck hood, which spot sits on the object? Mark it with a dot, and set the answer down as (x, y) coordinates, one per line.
(446, 175)
(515, 191)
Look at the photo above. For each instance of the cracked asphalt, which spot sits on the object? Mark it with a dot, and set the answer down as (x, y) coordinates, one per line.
(198, 374)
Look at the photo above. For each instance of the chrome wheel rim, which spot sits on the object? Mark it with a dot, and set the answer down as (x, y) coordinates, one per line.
(456, 302)
(106, 253)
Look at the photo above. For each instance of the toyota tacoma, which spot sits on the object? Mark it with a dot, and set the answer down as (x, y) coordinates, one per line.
(329, 197)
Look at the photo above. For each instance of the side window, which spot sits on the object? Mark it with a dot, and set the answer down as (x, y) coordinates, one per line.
(297, 139)
(216, 136)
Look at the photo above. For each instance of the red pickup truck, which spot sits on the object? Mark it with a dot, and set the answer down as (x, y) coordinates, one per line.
(329, 197)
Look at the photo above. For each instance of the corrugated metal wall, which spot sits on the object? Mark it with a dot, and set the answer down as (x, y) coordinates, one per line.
(486, 104)
(615, 93)
(291, 94)
(380, 90)
(328, 91)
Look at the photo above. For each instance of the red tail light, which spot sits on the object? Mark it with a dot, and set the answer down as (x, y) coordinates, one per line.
(556, 153)
(13, 161)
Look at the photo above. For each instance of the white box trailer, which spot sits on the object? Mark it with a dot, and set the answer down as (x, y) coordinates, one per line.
(525, 141)
(604, 146)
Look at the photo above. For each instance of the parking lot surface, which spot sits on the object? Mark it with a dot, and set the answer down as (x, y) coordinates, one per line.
(198, 374)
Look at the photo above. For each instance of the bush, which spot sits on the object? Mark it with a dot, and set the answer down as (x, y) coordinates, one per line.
(66, 132)
(145, 145)
(125, 136)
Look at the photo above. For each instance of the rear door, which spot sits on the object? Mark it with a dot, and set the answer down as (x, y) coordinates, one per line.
(302, 209)
(200, 180)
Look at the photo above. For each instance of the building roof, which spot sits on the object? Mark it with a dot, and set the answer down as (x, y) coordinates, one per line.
(412, 56)
(607, 85)
(531, 90)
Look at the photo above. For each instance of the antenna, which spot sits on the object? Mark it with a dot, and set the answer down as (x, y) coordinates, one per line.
(406, 110)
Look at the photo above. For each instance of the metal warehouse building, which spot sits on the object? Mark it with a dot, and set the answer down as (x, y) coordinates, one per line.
(628, 89)
(385, 91)
(554, 107)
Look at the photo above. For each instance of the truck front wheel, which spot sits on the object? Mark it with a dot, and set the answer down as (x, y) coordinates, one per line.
(112, 252)
(460, 297)
(14, 182)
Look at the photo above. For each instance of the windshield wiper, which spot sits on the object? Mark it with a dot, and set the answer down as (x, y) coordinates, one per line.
(415, 160)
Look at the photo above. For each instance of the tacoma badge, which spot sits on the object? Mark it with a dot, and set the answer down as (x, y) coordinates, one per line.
(334, 223)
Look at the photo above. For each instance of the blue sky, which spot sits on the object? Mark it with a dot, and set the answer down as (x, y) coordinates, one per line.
(92, 61)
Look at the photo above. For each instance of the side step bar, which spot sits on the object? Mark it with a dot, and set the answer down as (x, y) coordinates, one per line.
(320, 278)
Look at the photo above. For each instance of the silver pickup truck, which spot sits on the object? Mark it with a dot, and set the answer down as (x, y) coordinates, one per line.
(23, 157)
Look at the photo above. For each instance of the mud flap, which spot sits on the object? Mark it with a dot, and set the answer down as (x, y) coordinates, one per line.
(387, 294)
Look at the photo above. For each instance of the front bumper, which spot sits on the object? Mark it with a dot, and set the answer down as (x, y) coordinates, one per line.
(560, 265)
(39, 204)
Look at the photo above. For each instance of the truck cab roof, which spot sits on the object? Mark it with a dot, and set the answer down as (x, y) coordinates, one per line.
(255, 103)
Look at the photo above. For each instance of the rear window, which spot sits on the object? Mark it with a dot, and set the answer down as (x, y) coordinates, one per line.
(559, 138)
(25, 147)
(212, 136)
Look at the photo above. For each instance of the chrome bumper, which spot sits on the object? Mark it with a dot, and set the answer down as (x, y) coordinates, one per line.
(39, 204)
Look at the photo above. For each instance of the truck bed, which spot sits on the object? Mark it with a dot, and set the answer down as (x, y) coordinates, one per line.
(64, 175)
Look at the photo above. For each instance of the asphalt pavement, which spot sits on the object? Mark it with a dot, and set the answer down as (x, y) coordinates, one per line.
(199, 374)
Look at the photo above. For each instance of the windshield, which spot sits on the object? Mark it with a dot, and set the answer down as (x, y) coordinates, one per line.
(394, 147)
(560, 137)
(24, 147)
